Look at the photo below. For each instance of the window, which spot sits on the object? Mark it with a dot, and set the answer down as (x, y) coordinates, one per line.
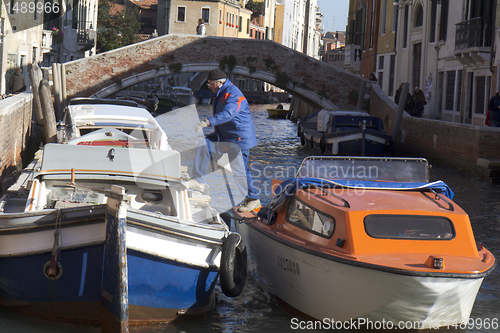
(419, 16)
(381, 62)
(35, 12)
(395, 9)
(391, 74)
(305, 217)
(372, 26)
(405, 32)
(181, 14)
(444, 20)
(248, 28)
(409, 227)
(13, 7)
(417, 52)
(205, 15)
(480, 94)
(450, 90)
(220, 16)
(432, 28)
(459, 89)
(240, 23)
(384, 14)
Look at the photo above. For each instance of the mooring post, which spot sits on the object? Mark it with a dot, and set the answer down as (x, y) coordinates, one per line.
(49, 115)
(399, 112)
(35, 78)
(56, 82)
(63, 87)
(361, 96)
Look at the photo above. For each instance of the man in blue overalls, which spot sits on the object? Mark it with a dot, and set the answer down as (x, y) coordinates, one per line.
(234, 134)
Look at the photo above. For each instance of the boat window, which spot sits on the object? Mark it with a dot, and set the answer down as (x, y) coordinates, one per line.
(307, 218)
(409, 227)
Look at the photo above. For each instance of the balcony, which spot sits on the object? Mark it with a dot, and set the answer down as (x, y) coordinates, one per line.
(46, 41)
(85, 34)
(474, 34)
(86, 37)
(473, 40)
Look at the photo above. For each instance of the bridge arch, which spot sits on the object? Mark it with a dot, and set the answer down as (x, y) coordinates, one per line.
(304, 94)
(317, 83)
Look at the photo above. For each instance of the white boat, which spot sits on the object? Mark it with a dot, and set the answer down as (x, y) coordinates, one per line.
(55, 237)
(367, 240)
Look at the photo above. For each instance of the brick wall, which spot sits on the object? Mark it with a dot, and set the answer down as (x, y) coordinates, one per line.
(18, 136)
(457, 146)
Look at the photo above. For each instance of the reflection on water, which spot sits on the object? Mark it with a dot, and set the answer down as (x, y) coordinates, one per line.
(278, 155)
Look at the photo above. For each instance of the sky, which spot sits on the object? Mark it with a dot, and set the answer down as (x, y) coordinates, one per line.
(334, 14)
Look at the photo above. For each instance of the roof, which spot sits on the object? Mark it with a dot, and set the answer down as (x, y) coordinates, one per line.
(118, 113)
(116, 9)
(144, 4)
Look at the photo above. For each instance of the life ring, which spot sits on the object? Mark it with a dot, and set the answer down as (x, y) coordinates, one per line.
(322, 145)
(233, 266)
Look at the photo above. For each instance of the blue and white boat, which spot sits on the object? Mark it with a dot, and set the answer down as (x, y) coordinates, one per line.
(345, 133)
(56, 234)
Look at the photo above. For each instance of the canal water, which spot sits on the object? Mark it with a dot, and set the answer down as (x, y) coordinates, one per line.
(278, 155)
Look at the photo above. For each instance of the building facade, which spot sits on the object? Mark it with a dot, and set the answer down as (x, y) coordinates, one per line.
(300, 28)
(20, 40)
(224, 18)
(444, 47)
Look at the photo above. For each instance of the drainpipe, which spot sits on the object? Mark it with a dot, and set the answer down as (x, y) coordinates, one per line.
(493, 48)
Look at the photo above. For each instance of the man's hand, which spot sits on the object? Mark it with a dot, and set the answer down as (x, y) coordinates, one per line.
(204, 123)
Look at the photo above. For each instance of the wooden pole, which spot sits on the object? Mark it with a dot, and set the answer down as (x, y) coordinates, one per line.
(35, 78)
(49, 115)
(63, 87)
(400, 110)
(361, 96)
(56, 82)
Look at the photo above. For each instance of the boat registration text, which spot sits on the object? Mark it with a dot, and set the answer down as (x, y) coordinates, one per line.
(288, 265)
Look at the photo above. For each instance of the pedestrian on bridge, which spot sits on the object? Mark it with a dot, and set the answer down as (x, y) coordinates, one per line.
(494, 107)
(17, 82)
(234, 134)
(200, 28)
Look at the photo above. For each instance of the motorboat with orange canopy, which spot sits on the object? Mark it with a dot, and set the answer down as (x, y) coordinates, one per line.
(368, 239)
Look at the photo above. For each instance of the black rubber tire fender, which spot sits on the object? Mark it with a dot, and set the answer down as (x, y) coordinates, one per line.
(233, 266)
(322, 145)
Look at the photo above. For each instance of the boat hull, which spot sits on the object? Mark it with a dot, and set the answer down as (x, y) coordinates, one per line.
(74, 296)
(156, 270)
(162, 290)
(277, 113)
(355, 143)
(320, 287)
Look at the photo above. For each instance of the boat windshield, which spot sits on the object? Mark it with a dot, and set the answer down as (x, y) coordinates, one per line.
(365, 168)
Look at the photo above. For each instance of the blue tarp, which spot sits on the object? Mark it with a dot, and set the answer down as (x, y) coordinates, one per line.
(286, 189)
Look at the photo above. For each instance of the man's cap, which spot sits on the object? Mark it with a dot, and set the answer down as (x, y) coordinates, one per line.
(216, 74)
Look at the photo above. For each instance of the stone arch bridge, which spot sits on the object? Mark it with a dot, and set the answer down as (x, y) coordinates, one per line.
(316, 83)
